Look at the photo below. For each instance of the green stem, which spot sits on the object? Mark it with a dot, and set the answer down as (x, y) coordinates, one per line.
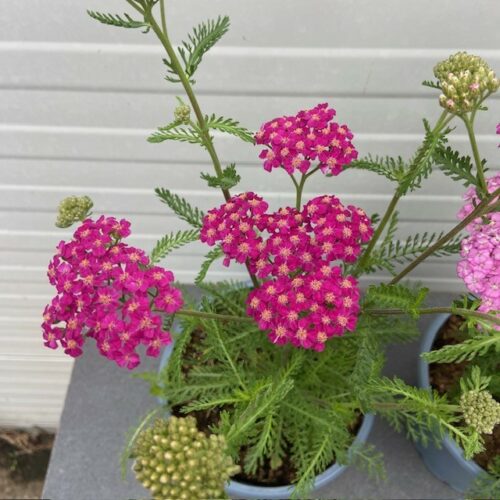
(202, 124)
(437, 310)
(163, 17)
(469, 125)
(378, 232)
(135, 6)
(300, 189)
(221, 317)
(480, 210)
(440, 124)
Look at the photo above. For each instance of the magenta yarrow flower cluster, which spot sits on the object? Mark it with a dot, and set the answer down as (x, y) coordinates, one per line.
(108, 290)
(479, 266)
(295, 251)
(311, 136)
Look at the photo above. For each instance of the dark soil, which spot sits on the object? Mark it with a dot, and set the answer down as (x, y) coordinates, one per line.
(24, 457)
(265, 475)
(445, 379)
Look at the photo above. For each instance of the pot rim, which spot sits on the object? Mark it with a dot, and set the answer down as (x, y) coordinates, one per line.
(424, 382)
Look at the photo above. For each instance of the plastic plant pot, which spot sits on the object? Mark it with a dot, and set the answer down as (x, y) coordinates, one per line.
(447, 462)
(236, 489)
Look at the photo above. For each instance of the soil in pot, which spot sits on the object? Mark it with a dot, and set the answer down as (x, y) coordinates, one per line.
(445, 377)
(281, 475)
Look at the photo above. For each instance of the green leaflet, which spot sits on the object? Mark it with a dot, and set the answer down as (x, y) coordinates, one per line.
(203, 38)
(171, 242)
(227, 180)
(210, 258)
(181, 207)
(229, 126)
(396, 296)
(459, 168)
(122, 22)
(395, 251)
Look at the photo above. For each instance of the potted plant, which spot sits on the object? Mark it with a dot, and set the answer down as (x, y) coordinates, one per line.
(272, 381)
(454, 347)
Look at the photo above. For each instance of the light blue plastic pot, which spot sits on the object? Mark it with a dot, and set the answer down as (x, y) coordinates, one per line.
(448, 462)
(248, 491)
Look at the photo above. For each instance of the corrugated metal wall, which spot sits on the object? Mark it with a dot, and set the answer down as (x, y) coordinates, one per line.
(77, 100)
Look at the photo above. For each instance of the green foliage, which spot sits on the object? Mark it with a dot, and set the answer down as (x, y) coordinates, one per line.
(203, 38)
(393, 169)
(271, 411)
(210, 258)
(469, 349)
(181, 207)
(122, 22)
(407, 174)
(420, 166)
(229, 126)
(171, 242)
(228, 180)
(423, 414)
(175, 132)
(393, 251)
(396, 296)
(459, 168)
(431, 84)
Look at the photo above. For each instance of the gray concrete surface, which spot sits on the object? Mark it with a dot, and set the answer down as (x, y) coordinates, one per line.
(103, 402)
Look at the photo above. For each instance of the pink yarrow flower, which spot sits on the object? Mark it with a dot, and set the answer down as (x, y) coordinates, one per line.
(308, 139)
(479, 266)
(305, 299)
(108, 290)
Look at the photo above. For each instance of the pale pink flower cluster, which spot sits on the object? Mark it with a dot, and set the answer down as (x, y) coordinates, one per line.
(311, 136)
(472, 200)
(295, 251)
(479, 266)
(108, 290)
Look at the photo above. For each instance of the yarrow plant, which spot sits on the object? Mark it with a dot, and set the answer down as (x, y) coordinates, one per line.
(282, 369)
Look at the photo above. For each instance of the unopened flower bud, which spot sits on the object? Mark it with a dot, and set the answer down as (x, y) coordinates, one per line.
(480, 410)
(178, 472)
(73, 209)
(465, 80)
(182, 114)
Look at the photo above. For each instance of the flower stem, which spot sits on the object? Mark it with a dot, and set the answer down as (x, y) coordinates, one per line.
(220, 317)
(437, 310)
(480, 210)
(300, 189)
(202, 124)
(469, 125)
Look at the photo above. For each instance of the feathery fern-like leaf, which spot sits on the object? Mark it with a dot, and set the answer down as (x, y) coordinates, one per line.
(398, 296)
(467, 350)
(181, 207)
(420, 167)
(391, 168)
(174, 132)
(227, 180)
(229, 126)
(122, 22)
(203, 38)
(459, 168)
(172, 241)
(210, 258)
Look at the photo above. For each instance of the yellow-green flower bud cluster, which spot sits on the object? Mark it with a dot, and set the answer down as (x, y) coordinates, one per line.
(464, 79)
(182, 114)
(176, 461)
(73, 209)
(480, 410)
